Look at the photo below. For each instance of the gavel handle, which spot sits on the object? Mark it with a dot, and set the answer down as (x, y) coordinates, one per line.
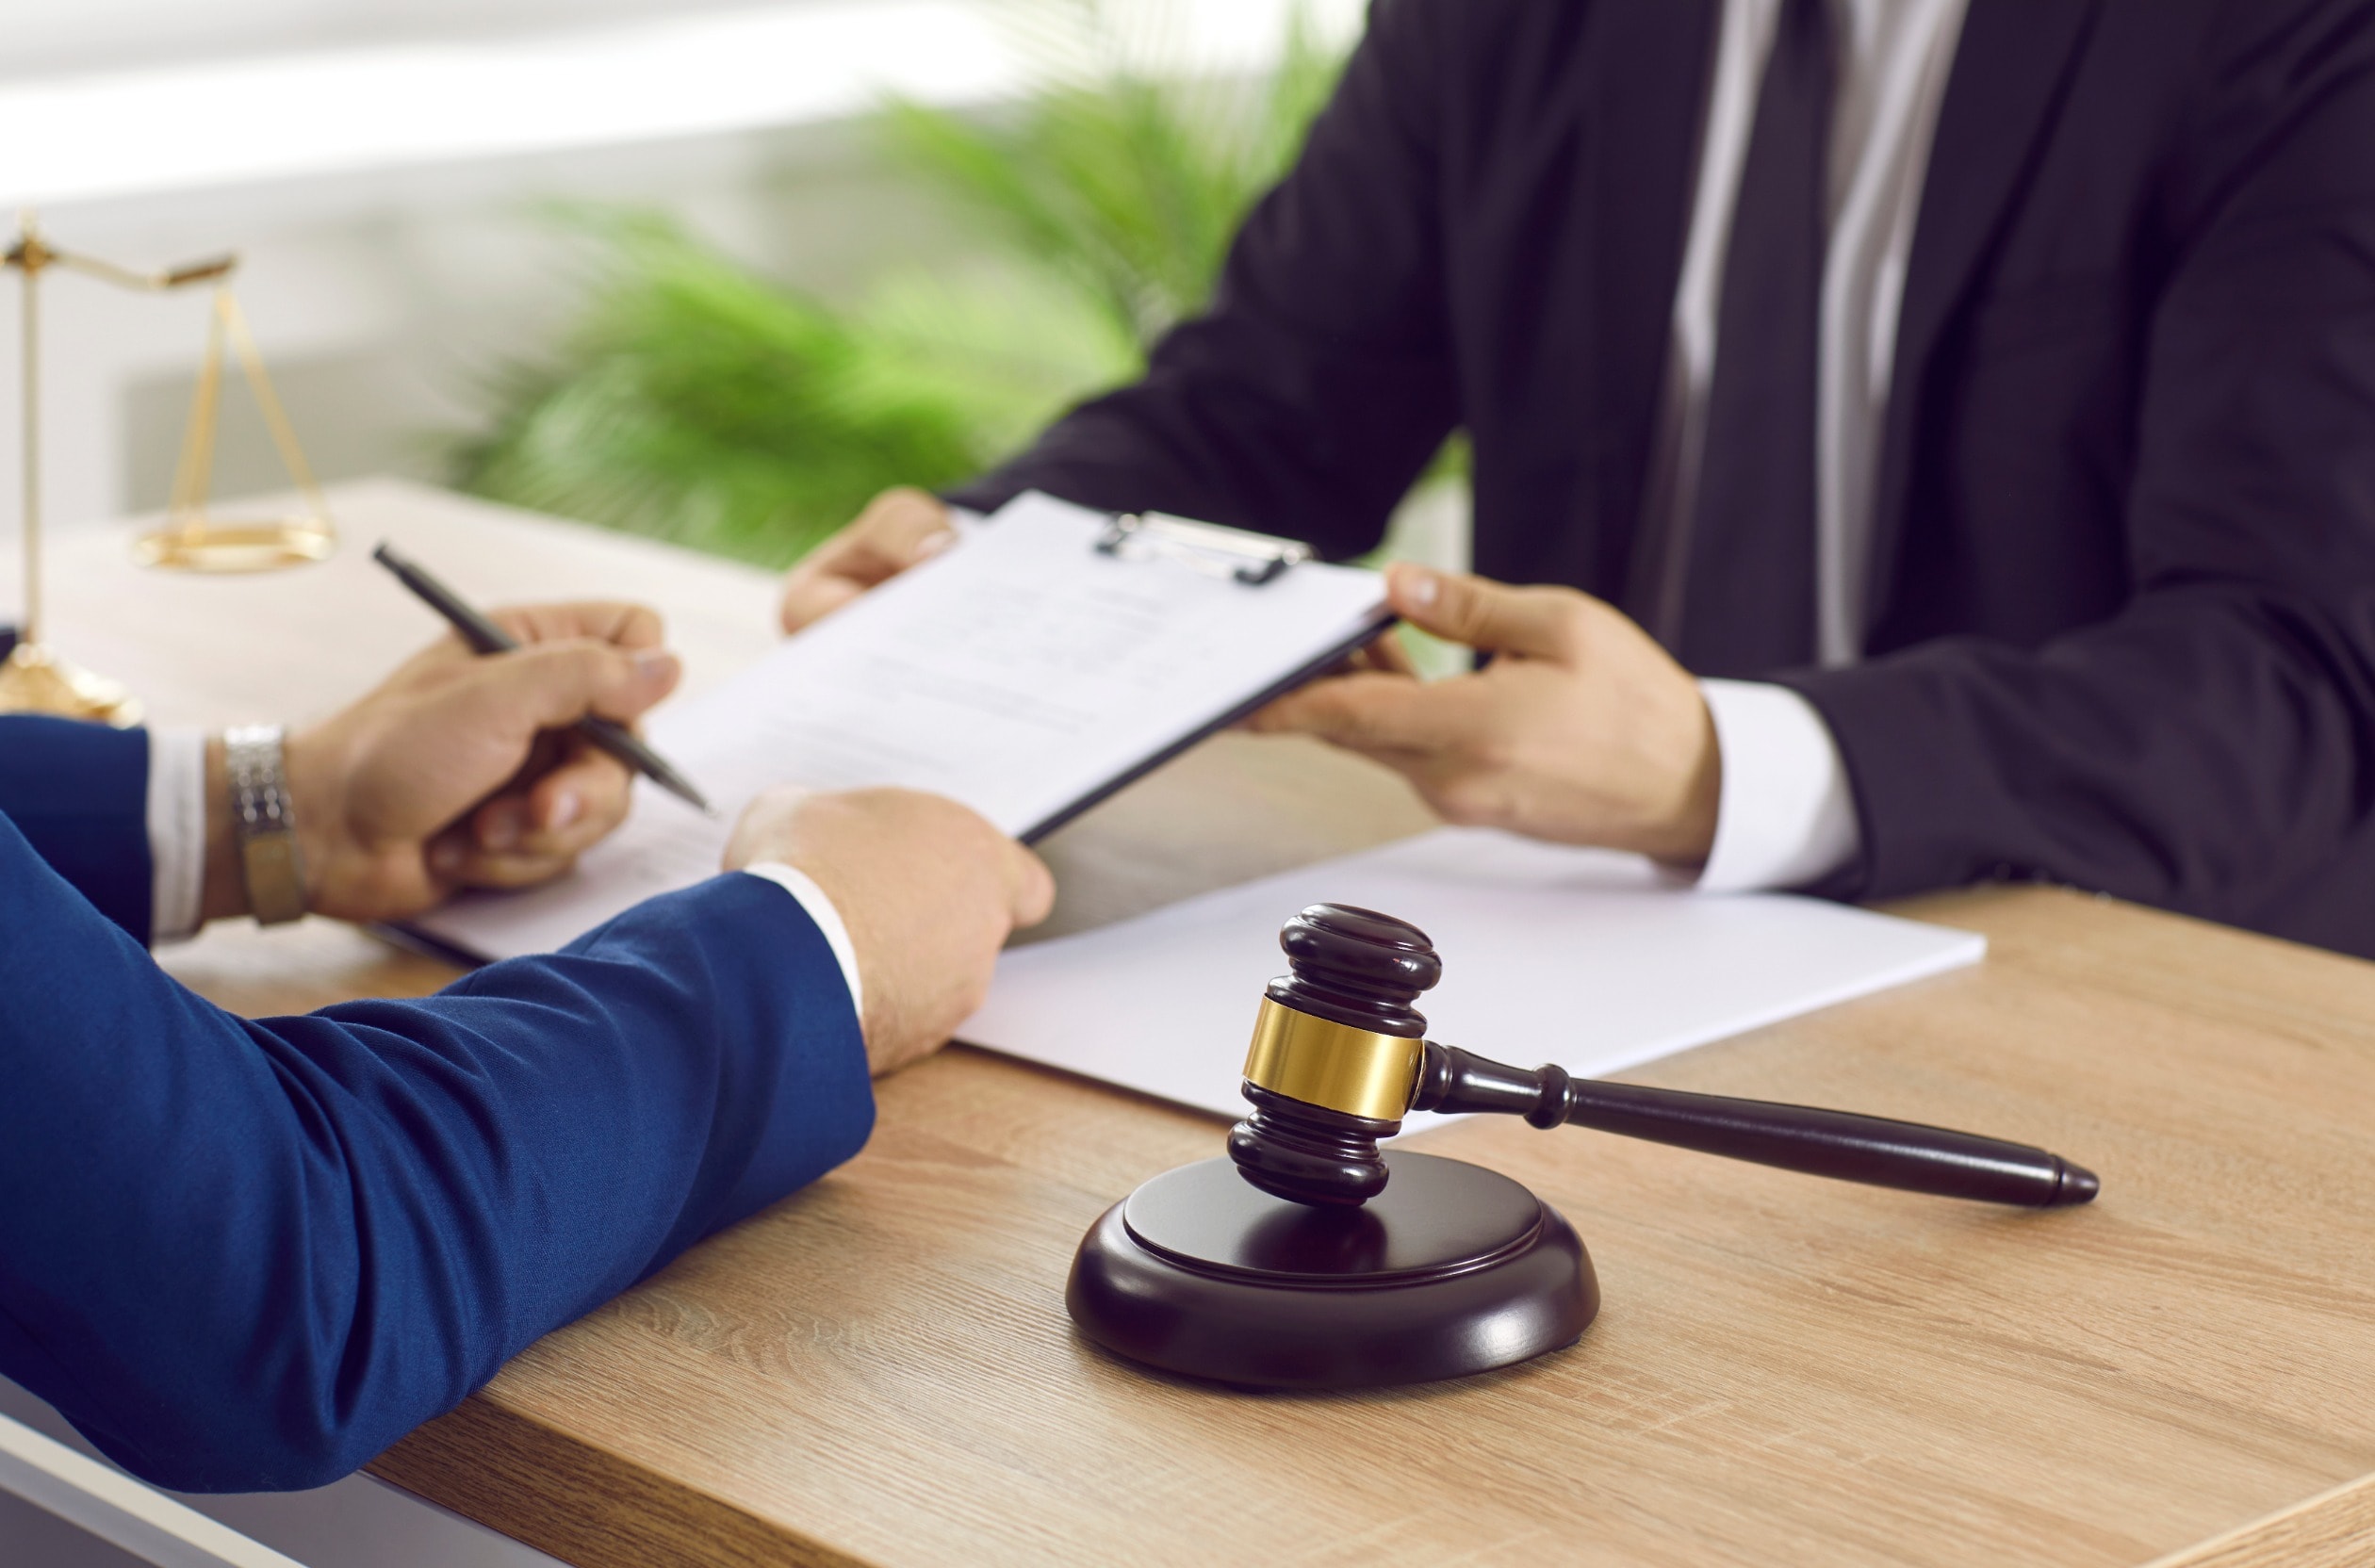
(1868, 1149)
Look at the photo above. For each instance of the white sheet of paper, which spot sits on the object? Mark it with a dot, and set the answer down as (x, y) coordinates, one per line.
(1019, 671)
(1585, 957)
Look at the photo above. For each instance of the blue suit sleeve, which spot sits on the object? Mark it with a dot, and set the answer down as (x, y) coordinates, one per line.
(79, 794)
(248, 1255)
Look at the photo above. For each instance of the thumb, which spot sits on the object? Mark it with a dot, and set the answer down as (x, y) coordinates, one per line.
(1030, 886)
(1484, 615)
(552, 685)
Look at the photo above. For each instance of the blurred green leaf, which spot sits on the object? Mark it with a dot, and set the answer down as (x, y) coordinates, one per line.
(697, 402)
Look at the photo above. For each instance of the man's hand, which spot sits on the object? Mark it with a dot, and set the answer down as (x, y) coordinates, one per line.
(1581, 728)
(459, 771)
(929, 892)
(899, 529)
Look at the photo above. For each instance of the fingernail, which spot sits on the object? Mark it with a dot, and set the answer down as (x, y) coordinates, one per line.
(1418, 586)
(566, 809)
(931, 545)
(655, 664)
(503, 826)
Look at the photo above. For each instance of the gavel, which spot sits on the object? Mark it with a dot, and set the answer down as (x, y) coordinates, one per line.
(1311, 1259)
(1340, 1056)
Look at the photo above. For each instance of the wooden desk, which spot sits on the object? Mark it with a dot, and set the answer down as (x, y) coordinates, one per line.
(880, 1370)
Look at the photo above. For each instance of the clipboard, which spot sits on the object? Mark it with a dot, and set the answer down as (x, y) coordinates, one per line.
(1251, 560)
(1052, 656)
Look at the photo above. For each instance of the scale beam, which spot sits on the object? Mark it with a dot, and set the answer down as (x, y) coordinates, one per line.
(34, 678)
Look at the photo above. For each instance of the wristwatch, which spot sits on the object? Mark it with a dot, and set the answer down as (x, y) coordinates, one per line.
(264, 824)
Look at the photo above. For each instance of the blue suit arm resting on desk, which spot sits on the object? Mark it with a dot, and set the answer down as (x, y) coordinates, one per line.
(248, 1255)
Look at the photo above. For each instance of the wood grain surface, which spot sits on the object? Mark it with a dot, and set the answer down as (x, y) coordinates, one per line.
(1786, 1371)
(2337, 1526)
(878, 1370)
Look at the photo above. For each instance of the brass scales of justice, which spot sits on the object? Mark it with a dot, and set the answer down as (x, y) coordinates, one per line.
(35, 678)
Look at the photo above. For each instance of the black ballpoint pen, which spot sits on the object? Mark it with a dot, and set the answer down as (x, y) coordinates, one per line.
(484, 636)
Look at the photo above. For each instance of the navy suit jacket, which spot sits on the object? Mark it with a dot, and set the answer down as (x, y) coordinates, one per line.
(2123, 599)
(245, 1255)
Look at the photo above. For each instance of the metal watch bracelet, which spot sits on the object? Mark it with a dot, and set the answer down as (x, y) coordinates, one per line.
(264, 824)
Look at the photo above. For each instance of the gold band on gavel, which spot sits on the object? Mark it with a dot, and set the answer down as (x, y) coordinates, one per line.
(1335, 1066)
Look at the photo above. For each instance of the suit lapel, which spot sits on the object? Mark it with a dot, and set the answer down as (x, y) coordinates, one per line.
(2012, 69)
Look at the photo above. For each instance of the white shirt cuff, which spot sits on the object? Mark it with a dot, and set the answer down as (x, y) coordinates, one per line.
(1787, 816)
(820, 908)
(177, 832)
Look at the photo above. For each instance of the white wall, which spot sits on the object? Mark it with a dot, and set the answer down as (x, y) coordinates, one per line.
(50, 36)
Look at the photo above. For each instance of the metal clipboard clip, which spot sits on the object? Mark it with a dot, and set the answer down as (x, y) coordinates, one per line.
(1239, 554)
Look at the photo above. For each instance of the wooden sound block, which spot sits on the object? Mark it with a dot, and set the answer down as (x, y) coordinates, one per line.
(1451, 1269)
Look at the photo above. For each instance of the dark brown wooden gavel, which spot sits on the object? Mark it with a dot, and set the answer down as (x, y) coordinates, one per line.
(1339, 1057)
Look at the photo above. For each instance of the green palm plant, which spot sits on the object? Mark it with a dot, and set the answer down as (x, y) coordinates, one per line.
(1128, 185)
(697, 400)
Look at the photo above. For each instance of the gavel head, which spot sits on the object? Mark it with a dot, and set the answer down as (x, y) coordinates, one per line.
(1335, 1055)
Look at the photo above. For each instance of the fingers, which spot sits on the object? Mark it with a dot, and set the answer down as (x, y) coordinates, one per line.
(537, 828)
(456, 862)
(1542, 623)
(1387, 655)
(805, 603)
(630, 627)
(564, 810)
(619, 624)
(899, 529)
(553, 685)
(1382, 655)
(1374, 713)
(578, 803)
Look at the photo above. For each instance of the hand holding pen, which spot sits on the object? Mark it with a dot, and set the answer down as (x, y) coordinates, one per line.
(484, 637)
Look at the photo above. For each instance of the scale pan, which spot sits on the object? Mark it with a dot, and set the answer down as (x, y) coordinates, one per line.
(261, 546)
(33, 679)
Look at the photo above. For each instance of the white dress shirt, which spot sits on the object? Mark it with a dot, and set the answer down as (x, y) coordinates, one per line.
(177, 832)
(1787, 815)
(177, 852)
